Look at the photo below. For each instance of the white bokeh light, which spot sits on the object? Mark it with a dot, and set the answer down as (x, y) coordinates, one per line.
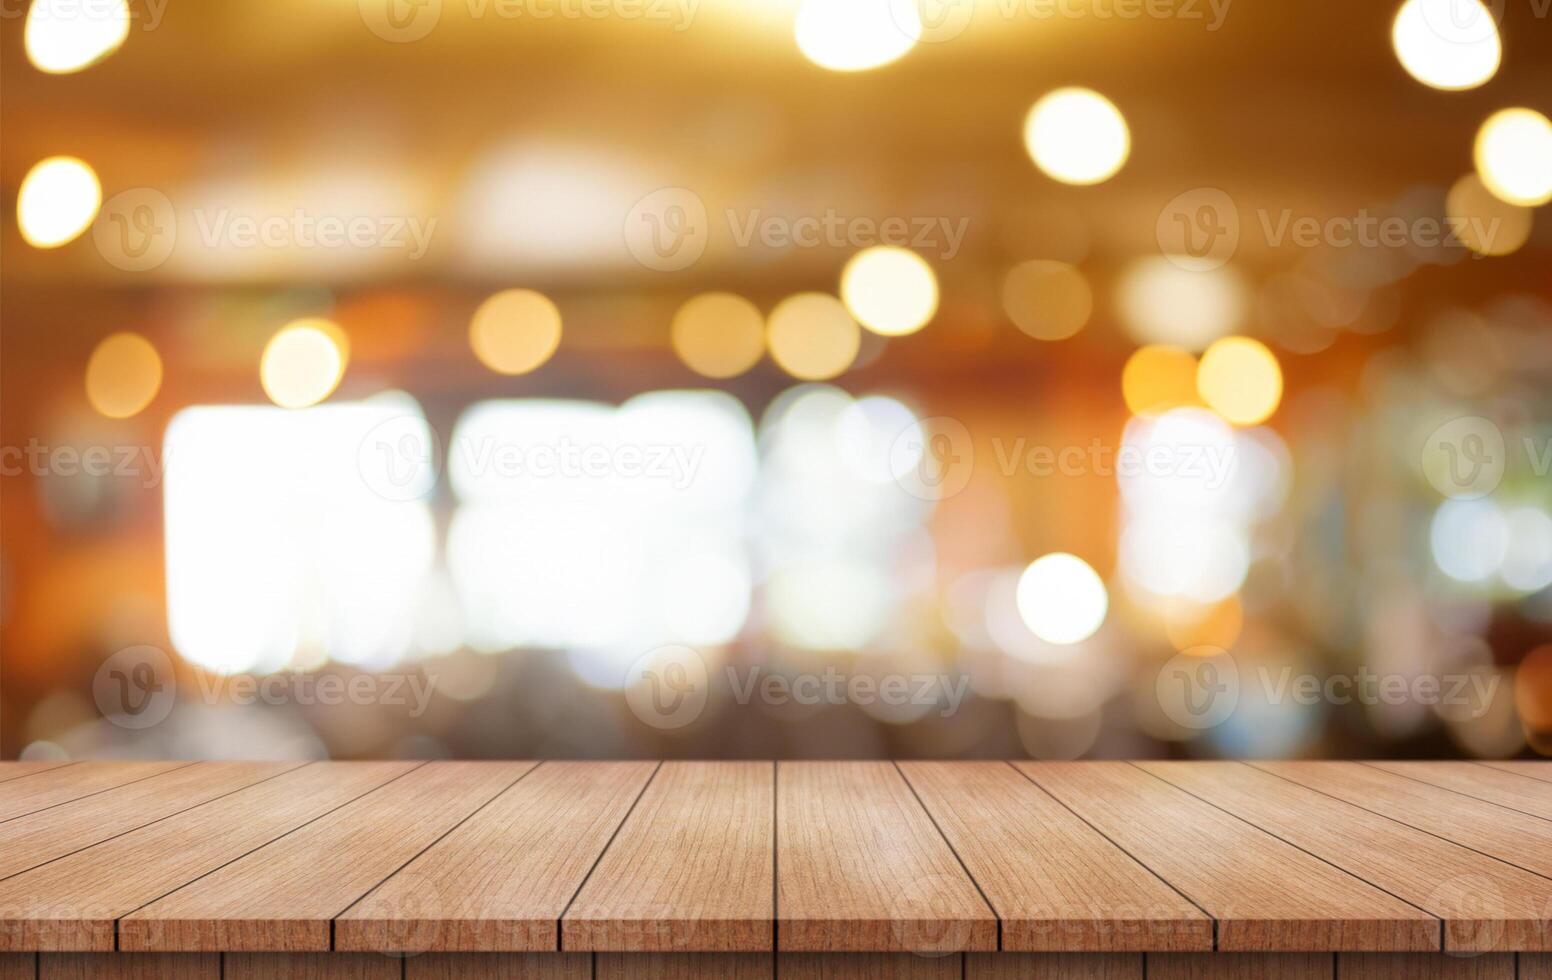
(1061, 599)
(281, 542)
(1469, 538)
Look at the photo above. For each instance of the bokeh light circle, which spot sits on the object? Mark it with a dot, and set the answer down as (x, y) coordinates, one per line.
(812, 337)
(1513, 156)
(63, 36)
(718, 335)
(1061, 599)
(515, 331)
(57, 201)
(123, 375)
(1447, 44)
(855, 35)
(303, 363)
(1240, 379)
(1077, 136)
(1157, 378)
(1046, 299)
(891, 291)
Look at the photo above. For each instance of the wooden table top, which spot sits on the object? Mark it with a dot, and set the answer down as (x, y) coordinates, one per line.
(800, 857)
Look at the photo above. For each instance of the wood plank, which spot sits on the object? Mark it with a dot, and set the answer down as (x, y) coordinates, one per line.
(1535, 770)
(1505, 834)
(18, 966)
(502, 879)
(1508, 789)
(309, 966)
(282, 896)
(1053, 966)
(72, 903)
(37, 838)
(16, 770)
(691, 870)
(1486, 904)
(1055, 882)
(1241, 966)
(1266, 894)
(112, 966)
(860, 867)
(1424, 966)
(499, 966)
(1536, 966)
(685, 966)
(869, 966)
(61, 785)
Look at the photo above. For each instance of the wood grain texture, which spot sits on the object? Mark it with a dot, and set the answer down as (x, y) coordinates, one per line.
(502, 879)
(18, 966)
(1054, 881)
(72, 903)
(36, 838)
(685, 966)
(1266, 894)
(869, 966)
(1535, 770)
(113, 966)
(498, 966)
(16, 770)
(309, 966)
(283, 895)
(691, 870)
(54, 786)
(1508, 789)
(1241, 966)
(1053, 966)
(1505, 834)
(1535, 966)
(1486, 904)
(1423, 966)
(860, 866)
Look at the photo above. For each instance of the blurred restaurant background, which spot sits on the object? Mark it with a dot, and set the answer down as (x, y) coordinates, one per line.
(775, 378)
